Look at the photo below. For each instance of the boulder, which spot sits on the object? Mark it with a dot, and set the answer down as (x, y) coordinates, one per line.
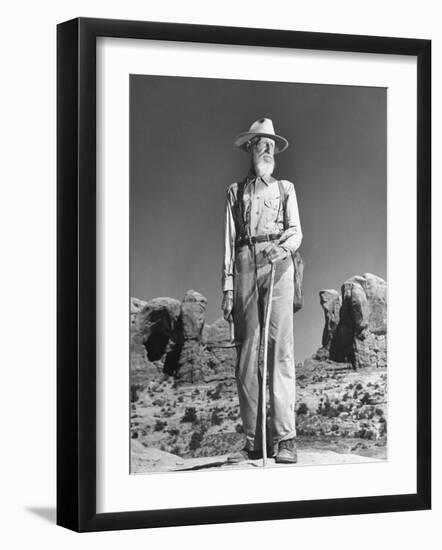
(356, 322)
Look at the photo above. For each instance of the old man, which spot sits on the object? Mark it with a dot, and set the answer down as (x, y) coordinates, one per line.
(262, 227)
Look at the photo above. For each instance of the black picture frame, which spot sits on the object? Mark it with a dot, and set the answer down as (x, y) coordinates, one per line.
(77, 287)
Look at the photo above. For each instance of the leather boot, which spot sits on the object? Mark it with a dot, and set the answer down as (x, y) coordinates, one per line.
(287, 452)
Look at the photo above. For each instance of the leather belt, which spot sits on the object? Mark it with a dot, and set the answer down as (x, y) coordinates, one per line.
(247, 241)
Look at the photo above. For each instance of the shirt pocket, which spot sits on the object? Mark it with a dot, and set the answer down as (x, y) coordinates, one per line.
(272, 204)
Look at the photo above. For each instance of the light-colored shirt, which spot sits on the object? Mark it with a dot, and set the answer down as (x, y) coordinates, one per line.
(264, 212)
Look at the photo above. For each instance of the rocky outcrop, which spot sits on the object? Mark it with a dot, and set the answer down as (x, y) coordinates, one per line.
(158, 324)
(193, 311)
(356, 322)
(156, 335)
(138, 355)
(331, 304)
(170, 336)
(221, 355)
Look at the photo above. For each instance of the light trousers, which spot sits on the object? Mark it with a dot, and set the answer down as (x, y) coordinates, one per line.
(251, 291)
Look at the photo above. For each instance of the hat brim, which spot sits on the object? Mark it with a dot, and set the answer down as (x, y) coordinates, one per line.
(241, 141)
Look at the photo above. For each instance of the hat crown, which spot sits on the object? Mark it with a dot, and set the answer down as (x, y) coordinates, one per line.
(262, 126)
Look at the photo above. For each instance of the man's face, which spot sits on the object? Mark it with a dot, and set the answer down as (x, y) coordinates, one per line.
(262, 151)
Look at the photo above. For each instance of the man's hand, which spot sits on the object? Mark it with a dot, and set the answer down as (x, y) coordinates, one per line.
(227, 305)
(277, 254)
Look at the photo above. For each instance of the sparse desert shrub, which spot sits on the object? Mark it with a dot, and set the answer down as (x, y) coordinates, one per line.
(189, 415)
(327, 410)
(174, 431)
(134, 435)
(365, 399)
(195, 440)
(216, 393)
(176, 450)
(302, 409)
(239, 429)
(180, 399)
(368, 434)
(216, 419)
(159, 425)
(134, 392)
(383, 426)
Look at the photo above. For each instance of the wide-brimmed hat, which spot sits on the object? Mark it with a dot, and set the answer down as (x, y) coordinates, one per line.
(261, 128)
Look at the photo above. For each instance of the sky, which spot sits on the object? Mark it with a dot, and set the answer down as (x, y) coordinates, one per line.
(182, 159)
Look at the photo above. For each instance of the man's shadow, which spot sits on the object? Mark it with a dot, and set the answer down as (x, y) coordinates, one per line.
(48, 514)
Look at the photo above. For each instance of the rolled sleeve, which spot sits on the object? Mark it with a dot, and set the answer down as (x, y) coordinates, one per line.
(229, 242)
(292, 237)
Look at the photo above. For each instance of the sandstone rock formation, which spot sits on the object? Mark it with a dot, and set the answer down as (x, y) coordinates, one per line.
(156, 334)
(356, 322)
(193, 311)
(331, 304)
(138, 355)
(170, 337)
(221, 355)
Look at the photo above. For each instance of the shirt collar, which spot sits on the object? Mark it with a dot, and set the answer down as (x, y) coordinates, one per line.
(251, 177)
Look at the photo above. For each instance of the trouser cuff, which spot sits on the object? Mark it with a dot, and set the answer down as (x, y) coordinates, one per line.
(290, 435)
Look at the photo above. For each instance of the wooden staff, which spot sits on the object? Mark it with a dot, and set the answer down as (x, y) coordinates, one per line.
(264, 368)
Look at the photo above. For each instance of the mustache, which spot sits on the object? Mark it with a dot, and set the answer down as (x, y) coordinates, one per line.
(265, 157)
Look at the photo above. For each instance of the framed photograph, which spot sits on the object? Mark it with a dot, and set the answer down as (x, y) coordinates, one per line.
(243, 274)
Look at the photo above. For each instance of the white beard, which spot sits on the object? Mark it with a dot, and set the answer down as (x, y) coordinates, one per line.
(264, 168)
